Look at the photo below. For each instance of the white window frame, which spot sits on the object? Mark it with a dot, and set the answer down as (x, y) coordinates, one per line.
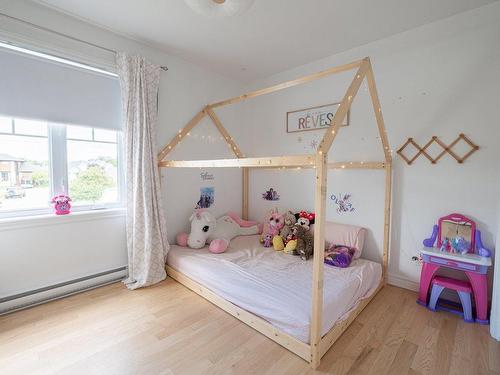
(58, 173)
(120, 203)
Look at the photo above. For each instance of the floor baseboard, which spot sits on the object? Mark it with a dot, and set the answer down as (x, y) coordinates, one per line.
(49, 293)
(402, 282)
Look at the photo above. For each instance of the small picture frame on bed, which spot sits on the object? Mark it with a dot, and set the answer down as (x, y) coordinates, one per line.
(313, 118)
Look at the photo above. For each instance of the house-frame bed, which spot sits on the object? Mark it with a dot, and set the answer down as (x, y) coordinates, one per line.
(319, 344)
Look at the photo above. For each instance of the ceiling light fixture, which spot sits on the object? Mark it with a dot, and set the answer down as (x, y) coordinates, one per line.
(219, 8)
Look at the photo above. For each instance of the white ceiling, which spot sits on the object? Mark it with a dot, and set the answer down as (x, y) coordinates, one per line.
(274, 35)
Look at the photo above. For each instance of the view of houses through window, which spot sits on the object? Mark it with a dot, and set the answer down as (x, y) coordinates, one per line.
(24, 165)
(27, 181)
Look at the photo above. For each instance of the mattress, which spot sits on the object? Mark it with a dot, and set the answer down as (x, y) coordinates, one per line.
(276, 286)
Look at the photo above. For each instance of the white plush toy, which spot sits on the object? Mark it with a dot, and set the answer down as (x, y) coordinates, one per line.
(205, 228)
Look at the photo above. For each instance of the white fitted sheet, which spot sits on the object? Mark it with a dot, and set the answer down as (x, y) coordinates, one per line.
(276, 286)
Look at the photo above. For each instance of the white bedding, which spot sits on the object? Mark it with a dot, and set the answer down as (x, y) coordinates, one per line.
(276, 286)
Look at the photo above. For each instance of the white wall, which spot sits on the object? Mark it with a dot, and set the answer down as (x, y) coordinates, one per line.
(32, 256)
(440, 79)
(50, 250)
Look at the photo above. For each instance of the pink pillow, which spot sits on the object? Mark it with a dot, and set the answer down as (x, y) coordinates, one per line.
(347, 235)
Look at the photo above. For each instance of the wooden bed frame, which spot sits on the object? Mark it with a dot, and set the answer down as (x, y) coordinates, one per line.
(319, 344)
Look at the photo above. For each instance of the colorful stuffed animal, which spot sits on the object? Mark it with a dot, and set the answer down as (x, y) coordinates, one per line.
(274, 224)
(305, 241)
(278, 243)
(267, 223)
(267, 240)
(205, 228)
(305, 219)
(289, 221)
(290, 244)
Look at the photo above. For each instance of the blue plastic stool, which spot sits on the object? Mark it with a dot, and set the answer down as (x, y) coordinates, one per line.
(463, 288)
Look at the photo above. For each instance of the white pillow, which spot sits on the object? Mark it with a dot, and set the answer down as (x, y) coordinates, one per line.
(347, 235)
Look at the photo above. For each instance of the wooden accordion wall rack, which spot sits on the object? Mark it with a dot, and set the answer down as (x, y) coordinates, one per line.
(446, 149)
(319, 343)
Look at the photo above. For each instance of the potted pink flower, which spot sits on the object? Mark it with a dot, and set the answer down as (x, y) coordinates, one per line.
(61, 204)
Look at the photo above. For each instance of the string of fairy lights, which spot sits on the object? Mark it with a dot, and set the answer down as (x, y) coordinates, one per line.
(210, 139)
(314, 143)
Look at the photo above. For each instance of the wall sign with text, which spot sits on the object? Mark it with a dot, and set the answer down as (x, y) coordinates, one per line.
(314, 118)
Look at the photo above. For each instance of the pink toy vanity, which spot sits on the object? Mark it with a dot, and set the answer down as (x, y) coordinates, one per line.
(466, 254)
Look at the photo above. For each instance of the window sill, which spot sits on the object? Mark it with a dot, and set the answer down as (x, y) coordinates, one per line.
(53, 219)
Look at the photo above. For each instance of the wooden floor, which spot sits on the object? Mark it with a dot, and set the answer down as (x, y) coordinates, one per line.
(167, 329)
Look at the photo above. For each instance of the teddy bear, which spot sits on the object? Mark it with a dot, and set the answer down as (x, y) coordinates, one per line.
(305, 242)
(290, 220)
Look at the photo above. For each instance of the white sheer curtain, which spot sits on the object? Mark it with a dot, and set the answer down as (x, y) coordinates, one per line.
(146, 228)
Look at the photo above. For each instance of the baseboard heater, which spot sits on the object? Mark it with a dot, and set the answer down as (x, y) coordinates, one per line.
(52, 292)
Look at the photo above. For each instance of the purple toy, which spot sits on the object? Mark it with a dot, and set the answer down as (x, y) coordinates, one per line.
(267, 240)
(339, 256)
(481, 250)
(464, 291)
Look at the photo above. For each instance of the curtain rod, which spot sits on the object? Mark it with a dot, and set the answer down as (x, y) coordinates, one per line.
(66, 36)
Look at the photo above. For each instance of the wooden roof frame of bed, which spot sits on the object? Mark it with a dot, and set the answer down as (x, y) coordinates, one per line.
(319, 344)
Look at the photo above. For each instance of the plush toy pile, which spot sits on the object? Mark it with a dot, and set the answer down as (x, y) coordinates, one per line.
(289, 232)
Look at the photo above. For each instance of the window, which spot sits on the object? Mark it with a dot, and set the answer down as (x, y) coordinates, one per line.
(39, 160)
(24, 165)
(92, 165)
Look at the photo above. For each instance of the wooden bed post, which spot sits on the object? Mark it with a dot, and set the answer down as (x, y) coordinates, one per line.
(245, 181)
(387, 220)
(318, 258)
(388, 167)
(320, 209)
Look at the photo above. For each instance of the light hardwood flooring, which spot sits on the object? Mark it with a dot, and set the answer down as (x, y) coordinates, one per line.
(167, 329)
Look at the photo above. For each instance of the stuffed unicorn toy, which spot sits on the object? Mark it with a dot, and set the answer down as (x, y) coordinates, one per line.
(275, 223)
(205, 228)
